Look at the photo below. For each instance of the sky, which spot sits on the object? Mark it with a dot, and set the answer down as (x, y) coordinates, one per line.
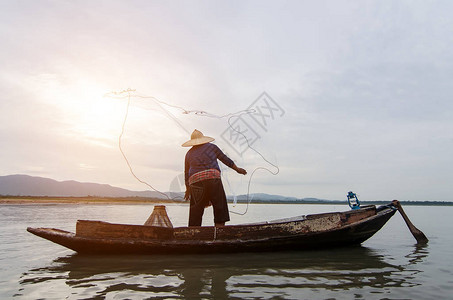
(339, 95)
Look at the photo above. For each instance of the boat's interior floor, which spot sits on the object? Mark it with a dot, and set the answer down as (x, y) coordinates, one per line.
(292, 219)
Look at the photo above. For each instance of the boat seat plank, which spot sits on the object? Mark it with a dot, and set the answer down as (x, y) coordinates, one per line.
(86, 228)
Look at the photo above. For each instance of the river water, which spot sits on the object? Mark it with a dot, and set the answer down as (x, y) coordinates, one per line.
(388, 266)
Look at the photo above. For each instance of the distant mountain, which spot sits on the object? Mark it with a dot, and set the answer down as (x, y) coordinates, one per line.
(263, 197)
(25, 185)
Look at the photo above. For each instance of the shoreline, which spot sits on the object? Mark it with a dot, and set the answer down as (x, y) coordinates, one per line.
(14, 200)
(82, 200)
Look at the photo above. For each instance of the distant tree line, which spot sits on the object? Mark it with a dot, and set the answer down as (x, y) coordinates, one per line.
(339, 202)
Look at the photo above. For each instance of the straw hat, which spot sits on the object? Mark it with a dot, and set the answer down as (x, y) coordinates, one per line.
(197, 138)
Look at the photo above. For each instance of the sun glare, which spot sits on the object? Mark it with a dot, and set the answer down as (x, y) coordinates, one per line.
(86, 112)
(97, 118)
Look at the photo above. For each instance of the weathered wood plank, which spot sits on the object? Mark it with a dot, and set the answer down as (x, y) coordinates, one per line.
(312, 224)
(85, 228)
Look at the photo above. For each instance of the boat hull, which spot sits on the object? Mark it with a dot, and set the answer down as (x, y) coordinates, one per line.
(315, 231)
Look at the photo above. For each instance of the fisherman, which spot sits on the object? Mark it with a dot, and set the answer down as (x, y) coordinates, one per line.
(202, 178)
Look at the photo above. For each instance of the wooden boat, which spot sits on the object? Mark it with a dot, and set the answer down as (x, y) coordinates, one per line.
(304, 232)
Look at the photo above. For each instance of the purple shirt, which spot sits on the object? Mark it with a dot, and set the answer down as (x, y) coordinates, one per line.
(204, 157)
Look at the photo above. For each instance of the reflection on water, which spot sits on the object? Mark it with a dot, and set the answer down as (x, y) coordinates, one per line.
(389, 267)
(356, 271)
(419, 253)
